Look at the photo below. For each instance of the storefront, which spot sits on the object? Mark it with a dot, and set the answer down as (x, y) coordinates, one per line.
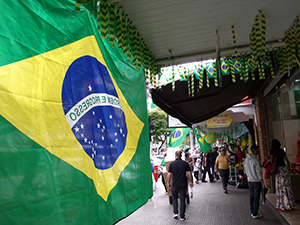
(282, 112)
(281, 115)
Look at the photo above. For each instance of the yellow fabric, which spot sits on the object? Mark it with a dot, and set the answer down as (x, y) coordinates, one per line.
(222, 162)
(31, 100)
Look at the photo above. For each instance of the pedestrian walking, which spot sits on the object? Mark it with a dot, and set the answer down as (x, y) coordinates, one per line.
(213, 156)
(206, 165)
(197, 165)
(252, 167)
(177, 172)
(222, 165)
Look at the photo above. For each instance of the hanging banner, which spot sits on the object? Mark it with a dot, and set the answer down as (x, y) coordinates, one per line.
(74, 133)
(223, 120)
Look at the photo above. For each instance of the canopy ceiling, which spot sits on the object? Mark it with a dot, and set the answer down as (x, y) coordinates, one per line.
(207, 102)
(180, 31)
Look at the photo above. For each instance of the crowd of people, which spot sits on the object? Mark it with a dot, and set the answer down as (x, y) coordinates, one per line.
(216, 163)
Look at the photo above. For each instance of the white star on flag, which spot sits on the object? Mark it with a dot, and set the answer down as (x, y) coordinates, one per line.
(76, 129)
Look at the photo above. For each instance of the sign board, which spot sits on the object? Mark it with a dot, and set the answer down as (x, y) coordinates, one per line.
(174, 122)
(223, 120)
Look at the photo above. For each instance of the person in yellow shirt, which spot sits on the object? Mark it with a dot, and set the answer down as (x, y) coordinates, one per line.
(222, 165)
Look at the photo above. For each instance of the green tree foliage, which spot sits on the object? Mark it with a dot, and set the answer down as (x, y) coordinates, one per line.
(159, 130)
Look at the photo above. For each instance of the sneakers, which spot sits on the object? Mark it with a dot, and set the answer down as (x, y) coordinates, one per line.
(182, 219)
(259, 215)
(175, 216)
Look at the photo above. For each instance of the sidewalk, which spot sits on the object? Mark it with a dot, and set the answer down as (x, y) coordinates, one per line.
(209, 205)
(293, 217)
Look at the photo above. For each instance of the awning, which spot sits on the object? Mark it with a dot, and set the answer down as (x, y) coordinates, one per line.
(207, 102)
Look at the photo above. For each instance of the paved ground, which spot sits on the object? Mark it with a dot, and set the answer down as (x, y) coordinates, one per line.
(209, 205)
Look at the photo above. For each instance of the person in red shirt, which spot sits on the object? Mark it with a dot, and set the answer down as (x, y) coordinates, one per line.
(239, 155)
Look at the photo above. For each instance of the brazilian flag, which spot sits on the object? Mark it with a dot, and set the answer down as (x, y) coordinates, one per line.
(184, 77)
(204, 146)
(199, 71)
(74, 134)
(177, 136)
(266, 61)
(211, 70)
(225, 69)
(250, 63)
(237, 65)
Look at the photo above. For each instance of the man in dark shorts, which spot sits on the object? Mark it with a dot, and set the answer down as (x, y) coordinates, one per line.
(178, 171)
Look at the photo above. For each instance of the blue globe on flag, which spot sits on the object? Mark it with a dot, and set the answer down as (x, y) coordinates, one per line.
(93, 111)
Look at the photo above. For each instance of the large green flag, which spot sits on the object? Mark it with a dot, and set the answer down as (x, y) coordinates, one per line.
(74, 134)
(204, 146)
(177, 136)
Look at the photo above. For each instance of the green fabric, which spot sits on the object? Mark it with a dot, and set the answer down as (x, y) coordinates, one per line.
(204, 146)
(225, 69)
(266, 61)
(163, 163)
(237, 66)
(38, 187)
(177, 136)
(211, 70)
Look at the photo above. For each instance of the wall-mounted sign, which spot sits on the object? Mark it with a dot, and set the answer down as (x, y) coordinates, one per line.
(223, 120)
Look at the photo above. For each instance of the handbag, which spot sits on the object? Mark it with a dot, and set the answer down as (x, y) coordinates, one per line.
(273, 167)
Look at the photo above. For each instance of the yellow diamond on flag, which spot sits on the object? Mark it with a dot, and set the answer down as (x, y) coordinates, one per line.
(33, 104)
(237, 66)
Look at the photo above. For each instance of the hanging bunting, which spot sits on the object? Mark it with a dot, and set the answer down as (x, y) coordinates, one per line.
(225, 69)
(266, 61)
(183, 76)
(119, 26)
(192, 84)
(138, 51)
(261, 70)
(263, 32)
(135, 46)
(234, 41)
(123, 28)
(173, 79)
(253, 43)
(189, 83)
(290, 47)
(272, 66)
(207, 80)
(258, 37)
(232, 70)
(210, 70)
(112, 24)
(237, 66)
(244, 69)
(104, 19)
(249, 66)
(218, 77)
(241, 61)
(199, 75)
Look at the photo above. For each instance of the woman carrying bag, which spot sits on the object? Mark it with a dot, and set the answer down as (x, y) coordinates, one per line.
(284, 194)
